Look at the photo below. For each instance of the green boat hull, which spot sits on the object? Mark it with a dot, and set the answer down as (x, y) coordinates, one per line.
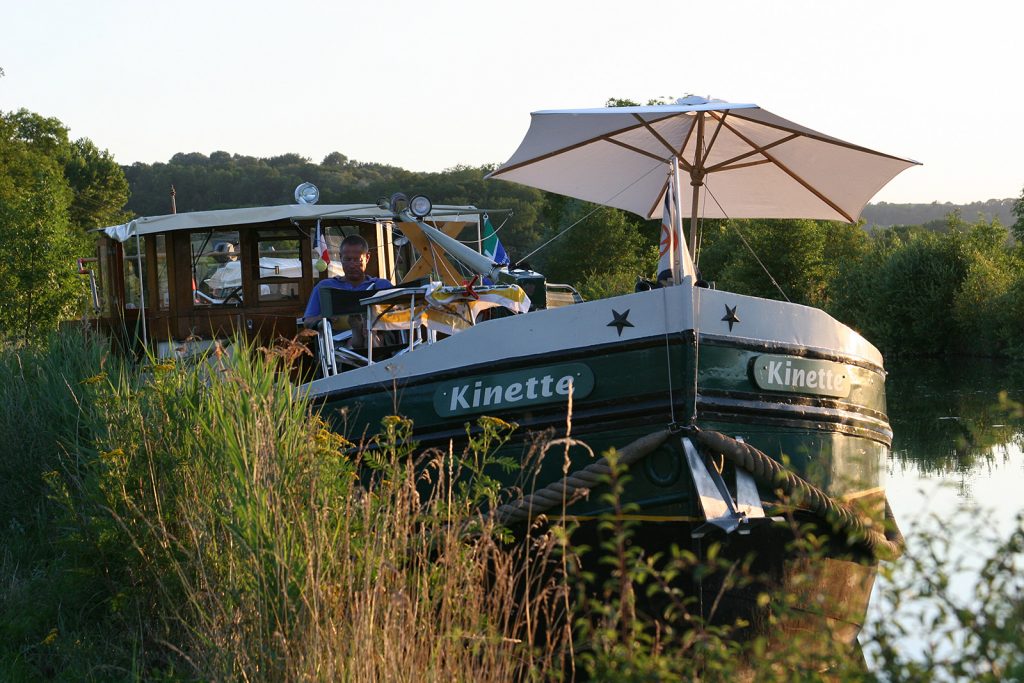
(629, 390)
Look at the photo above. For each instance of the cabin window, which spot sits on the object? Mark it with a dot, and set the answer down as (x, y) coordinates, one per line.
(280, 269)
(163, 298)
(216, 268)
(106, 255)
(134, 272)
(333, 235)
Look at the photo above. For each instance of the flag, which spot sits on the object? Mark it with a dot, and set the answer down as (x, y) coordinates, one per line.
(492, 245)
(667, 252)
(322, 252)
(674, 260)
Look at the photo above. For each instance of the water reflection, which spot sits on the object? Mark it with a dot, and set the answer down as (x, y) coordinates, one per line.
(955, 472)
(947, 416)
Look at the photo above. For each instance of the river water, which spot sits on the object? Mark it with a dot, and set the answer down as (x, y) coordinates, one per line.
(955, 474)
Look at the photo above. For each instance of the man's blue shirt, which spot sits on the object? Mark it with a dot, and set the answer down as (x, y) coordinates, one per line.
(337, 282)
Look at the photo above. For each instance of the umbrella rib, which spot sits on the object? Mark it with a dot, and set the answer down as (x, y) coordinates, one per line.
(664, 189)
(714, 136)
(682, 148)
(828, 140)
(759, 150)
(662, 140)
(810, 188)
(631, 148)
(561, 150)
(759, 162)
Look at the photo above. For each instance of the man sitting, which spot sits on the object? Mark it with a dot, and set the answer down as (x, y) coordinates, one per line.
(355, 254)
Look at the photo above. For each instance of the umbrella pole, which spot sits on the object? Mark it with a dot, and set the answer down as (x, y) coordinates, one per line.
(677, 225)
(693, 218)
(696, 180)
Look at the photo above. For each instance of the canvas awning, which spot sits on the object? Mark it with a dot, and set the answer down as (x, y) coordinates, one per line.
(226, 218)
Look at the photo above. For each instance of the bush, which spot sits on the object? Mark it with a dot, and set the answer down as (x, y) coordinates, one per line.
(918, 292)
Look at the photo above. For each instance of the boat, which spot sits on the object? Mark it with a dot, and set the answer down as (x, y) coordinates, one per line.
(710, 397)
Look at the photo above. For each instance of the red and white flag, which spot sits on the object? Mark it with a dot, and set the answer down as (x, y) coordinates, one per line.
(322, 252)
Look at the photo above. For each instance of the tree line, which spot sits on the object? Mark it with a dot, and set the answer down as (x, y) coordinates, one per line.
(909, 290)
(933, 214)
(944, 286)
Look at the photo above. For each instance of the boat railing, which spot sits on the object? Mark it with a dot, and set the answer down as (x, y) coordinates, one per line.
(416, 315)
(562, 295)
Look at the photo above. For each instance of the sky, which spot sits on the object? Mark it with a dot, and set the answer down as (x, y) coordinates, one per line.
(431, 85)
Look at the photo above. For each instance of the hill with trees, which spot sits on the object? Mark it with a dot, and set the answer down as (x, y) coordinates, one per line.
(885, 214)
(581, 256)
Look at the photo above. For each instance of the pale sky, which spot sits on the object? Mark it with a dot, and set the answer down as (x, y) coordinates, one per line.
(429, 85)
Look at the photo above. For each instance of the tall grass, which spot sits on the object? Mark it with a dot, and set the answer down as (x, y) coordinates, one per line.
(47, 587)
(200, 521)
(229, 534)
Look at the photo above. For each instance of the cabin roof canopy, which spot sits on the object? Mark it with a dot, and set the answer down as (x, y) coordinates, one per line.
(221, 218)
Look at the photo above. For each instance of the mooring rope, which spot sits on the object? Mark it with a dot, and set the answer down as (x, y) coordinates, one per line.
(576, 482)
(887, 545)
(770, 472)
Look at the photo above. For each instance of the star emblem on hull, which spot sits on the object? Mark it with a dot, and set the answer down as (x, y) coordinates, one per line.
(620, 320)
(730, 316)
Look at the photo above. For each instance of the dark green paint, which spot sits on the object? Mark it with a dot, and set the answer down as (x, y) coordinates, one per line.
(629, 399)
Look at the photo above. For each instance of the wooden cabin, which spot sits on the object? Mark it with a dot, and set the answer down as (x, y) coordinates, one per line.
(179, 281)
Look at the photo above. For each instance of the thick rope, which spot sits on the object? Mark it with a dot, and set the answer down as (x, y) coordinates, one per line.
(770, 472)
(766, 470)
(576, 482)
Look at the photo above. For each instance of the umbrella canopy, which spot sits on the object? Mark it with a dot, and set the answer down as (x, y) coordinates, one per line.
(752, 163)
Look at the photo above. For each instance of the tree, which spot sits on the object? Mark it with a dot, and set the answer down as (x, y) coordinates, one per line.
(335, 159)
(923, 292)
(1018, 213)
(99, 188)
(801, 256)
(601, 255)
(52, 190)
(625, 102)
(38, 285)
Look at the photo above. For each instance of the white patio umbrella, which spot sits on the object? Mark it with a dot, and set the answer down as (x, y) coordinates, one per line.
(750, 162)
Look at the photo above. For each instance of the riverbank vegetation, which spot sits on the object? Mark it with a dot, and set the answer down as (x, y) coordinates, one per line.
(163, 521)
(909, 290)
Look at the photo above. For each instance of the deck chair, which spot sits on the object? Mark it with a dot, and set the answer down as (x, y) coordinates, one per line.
(335, 302)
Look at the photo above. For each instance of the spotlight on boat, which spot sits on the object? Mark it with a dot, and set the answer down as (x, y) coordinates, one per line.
(420, 206)
(398, 238)
(307, 193)
(398, 202)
